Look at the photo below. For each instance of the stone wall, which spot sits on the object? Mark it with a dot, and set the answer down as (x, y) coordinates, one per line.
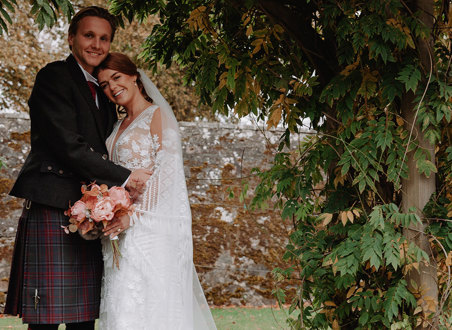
(235, 249)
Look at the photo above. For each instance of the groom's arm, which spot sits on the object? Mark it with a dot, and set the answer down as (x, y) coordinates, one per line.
(54, 116)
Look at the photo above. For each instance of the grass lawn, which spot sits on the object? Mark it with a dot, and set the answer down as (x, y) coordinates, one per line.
(225, 319)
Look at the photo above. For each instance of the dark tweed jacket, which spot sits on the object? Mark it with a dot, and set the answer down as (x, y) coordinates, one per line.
(68, 135)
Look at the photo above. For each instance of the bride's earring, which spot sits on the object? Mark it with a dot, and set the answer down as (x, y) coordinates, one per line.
(135, 82)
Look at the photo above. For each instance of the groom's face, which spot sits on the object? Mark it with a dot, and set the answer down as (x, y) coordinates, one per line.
(91, 42)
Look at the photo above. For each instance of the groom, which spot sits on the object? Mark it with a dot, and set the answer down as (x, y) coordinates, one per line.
(56, 278)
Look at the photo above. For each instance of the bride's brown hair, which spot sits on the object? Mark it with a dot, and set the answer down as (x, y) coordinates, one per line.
(122, 63)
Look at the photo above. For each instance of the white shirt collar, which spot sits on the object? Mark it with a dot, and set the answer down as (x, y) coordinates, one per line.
(88, 76)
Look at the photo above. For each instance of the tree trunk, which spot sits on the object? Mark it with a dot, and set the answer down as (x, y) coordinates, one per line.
(417, 190)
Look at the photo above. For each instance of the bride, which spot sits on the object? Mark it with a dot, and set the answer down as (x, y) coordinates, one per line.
(156, 285)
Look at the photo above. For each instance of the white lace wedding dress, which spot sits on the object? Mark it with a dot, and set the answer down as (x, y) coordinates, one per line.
(156, 285)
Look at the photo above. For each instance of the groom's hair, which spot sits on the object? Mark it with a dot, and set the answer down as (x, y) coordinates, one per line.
(96, 12)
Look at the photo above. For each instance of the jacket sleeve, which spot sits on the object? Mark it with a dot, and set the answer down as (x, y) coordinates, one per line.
(54, 114)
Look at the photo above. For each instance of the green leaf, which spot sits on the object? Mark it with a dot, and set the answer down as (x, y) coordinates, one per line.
(231, 77)
(363, 318)
(410, 76)
(5, 15)
(426, 167)
(380, 49)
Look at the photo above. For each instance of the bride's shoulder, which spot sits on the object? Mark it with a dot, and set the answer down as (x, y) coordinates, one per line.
(152, 108)
(150, 111)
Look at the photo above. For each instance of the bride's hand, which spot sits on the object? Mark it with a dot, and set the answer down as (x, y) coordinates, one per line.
(117, 226)
(137, 182)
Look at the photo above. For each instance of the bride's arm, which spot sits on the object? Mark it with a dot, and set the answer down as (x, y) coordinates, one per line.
(156, 127)
(119, 224)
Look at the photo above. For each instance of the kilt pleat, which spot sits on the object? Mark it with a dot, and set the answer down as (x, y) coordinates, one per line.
(55, 277)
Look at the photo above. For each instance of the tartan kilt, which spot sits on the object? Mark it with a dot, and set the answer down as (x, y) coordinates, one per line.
(55, 277)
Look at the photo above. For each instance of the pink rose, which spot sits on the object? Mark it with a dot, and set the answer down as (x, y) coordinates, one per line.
(78, 210)
(103, 210)
(90, 201)
(120, 197)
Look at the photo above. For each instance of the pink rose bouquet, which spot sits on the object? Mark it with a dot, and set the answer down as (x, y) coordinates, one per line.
(95, 209)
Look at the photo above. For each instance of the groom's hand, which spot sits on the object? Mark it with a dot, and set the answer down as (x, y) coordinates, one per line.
(137, 182)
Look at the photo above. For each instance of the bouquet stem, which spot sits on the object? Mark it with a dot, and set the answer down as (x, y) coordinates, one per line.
(116, 252)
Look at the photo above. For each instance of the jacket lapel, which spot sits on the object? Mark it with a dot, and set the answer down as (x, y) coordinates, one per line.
(82, 85)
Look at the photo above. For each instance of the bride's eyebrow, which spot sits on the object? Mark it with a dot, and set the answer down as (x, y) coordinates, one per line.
(114, 73)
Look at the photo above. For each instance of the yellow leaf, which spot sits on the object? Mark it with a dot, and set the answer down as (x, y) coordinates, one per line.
(400, 121)
(402, 251)
(349, 68)
(343, 216)
(418, 322)
(246, 21)
(417, 310)
(334, 267)
(350, 216)
(449, 259)
(275, 117)
(249, 30)
(351, 291)
(330, 304)
(290, 101)
(223, 79)
(391, 21)
(195, 21)
(326, 217)
(431, 303)
(258, 44)
(410, 42)
(279, 100)
(335, 325)
(339, 179)
(356, 212)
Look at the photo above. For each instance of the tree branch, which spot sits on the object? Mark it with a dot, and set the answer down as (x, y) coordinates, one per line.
(317, 50)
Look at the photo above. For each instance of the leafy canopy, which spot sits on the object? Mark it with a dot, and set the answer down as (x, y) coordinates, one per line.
(355, 70)
(351, 68)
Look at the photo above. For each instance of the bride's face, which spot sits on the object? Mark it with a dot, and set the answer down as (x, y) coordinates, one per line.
(119, 87)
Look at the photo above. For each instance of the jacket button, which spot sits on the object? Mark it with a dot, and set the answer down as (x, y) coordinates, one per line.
(49, 168)
(104, 156)
(91, 149)
(61, 171)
